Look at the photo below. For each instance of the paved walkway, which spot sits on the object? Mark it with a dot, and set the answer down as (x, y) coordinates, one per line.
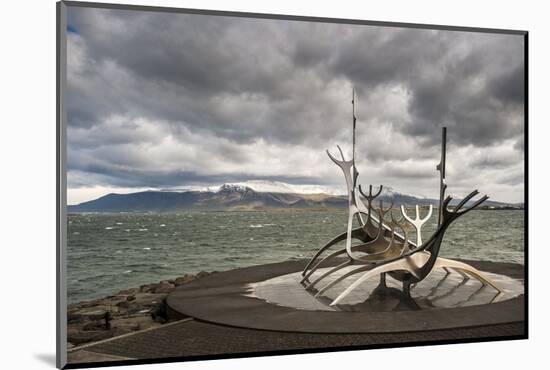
(195, 339)
(191, 338)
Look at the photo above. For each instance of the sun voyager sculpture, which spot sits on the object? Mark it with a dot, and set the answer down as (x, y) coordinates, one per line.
(382, 245)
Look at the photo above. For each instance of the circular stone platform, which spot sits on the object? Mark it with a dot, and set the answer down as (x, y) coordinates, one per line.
(269, 297)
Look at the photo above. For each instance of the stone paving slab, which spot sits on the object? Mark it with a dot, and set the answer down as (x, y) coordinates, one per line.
(193, 339)
(84, 356)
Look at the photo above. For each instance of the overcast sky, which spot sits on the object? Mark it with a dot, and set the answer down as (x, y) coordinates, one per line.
(175, 101)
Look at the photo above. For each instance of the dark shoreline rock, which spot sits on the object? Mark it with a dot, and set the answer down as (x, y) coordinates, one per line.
(124, 312)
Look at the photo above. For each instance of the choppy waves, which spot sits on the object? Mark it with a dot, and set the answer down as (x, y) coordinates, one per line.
(108, 253)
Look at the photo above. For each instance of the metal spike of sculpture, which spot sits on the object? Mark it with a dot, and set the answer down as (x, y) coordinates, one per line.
(382, 249)
(357, 209)
(417, 222)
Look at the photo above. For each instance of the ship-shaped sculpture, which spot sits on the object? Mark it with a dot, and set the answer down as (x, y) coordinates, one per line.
(384, 246)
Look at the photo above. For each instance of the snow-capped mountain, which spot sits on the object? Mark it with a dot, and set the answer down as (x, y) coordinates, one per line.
(389, 192)
(266, 186)
(229, 188)
(242, 195)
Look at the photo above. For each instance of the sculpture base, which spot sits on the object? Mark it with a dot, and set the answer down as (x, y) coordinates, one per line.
(269, 297)
(440, 289)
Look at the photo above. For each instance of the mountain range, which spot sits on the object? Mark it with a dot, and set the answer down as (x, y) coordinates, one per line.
(237, 196)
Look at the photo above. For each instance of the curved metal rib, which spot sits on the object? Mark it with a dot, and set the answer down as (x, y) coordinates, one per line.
(445, 262)
(369, 260)
(382, 212)
(335, 240)
(359, 247)
(327, 258)
(340, 163)
(434, 298)
(405, 244)
(379, 236)
(371, 196)
(356, 271)
(374, 256)
(318, 264)
(369, 199)
(400, 264)
(341, 278)
(357, 233)
(368, 211)
(375, 250)
(329, 272)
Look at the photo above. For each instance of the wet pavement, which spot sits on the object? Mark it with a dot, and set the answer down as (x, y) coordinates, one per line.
(438, 290)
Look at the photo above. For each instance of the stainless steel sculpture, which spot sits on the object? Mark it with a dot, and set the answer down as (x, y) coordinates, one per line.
(382, 250)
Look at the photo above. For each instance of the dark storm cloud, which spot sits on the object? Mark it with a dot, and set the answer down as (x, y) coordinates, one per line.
(508, 87)
(157, 99)
(502, 161)
(520, 143)
(106, 176)
(466, 91)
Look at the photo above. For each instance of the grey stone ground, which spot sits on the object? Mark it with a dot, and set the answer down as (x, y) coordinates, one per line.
(194, 338)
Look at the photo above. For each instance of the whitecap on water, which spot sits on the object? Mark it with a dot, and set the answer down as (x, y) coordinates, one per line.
(109, 228)
(162, 225)
(142, 229)
(147, 248)
(256, 226)
(119, 223)
(128, 271)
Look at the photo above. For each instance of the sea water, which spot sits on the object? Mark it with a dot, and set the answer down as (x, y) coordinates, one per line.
(110, 252)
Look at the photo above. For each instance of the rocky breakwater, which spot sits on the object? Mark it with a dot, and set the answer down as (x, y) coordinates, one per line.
(124, 312)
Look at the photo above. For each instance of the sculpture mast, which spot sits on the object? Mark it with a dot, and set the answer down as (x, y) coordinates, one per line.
(354, 119)
(441, 168)
(354, 173)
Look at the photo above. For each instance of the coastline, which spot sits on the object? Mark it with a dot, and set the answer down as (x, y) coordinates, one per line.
(145, 307)
(144, 323)
(128, 310)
